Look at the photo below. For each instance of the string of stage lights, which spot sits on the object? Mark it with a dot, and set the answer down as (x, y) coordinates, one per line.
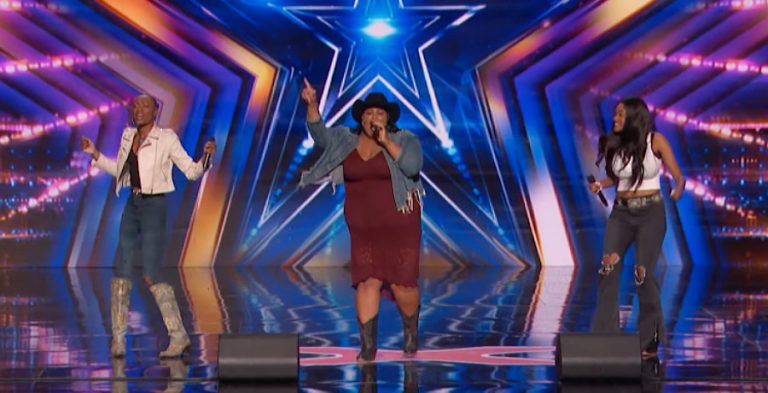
(736, 4)
(692, 60)
(730, 233)
(704, 193)
(23, 234)
(53, 62)
(55, 190)
(25, 131)
(721, 130)
(27, 5)
(12, 179)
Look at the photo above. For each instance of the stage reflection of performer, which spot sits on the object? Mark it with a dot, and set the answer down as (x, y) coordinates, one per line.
(178, 373)
(144, 162)
(634, 155)
(369, 378)
(379, 165)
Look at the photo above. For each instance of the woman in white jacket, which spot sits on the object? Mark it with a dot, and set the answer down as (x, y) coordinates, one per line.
(144, 163)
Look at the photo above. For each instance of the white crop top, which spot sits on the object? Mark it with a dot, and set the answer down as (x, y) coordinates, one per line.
(651, 176)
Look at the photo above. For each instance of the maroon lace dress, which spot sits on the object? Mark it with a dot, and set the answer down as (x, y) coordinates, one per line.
(385, 242)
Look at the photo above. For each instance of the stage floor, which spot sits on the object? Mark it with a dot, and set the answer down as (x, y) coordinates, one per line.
(482, 330)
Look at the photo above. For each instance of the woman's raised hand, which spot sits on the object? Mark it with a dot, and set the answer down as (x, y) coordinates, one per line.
(308, 93)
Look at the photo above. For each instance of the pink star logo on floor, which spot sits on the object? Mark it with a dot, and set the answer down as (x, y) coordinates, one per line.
(492, 356)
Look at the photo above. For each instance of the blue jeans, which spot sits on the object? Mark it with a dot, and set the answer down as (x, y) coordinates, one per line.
(142, 223)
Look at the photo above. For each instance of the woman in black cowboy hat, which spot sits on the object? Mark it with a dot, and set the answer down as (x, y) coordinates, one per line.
(379, 166)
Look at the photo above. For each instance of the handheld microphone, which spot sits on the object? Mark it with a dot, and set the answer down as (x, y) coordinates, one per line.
(207, 157)
(591, 179)
(376, 131)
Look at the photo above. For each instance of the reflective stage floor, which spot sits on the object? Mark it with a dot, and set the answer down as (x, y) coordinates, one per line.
(481, 330)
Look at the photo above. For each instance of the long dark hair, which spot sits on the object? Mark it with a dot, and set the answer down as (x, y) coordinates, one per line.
(630, 142)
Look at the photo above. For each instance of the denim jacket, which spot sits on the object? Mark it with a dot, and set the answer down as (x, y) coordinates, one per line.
(339, 141)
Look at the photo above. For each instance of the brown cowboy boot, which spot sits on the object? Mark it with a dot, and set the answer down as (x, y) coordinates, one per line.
(120, 295)
(166, 301)
(410, 332)
(368, 333)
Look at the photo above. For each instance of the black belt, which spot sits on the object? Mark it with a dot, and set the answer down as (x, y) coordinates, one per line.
(146, 196)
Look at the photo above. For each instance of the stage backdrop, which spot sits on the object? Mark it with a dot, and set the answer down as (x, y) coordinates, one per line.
(508, 98)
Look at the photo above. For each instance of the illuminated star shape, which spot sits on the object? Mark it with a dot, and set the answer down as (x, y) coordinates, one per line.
(381, 41)
(382, 44)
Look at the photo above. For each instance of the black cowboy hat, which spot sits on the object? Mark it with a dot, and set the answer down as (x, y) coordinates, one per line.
(376, 100)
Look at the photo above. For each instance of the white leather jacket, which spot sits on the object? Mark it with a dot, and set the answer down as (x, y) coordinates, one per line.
(156, 157)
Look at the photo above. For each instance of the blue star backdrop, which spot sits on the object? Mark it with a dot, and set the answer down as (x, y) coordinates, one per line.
(507, 97)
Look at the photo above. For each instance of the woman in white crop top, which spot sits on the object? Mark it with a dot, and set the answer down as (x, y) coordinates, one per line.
(634, 157)
(623, 145)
